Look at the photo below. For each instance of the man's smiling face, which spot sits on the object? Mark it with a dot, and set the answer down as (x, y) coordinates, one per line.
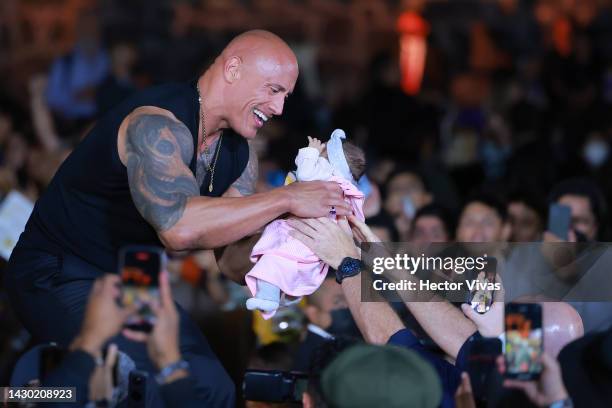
(261, 83)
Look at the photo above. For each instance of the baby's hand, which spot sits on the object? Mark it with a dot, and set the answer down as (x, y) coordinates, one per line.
(316, 143)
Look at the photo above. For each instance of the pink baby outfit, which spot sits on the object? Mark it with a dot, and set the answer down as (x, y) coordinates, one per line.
(287, 263)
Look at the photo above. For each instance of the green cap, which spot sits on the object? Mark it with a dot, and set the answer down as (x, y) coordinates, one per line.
(380, 376)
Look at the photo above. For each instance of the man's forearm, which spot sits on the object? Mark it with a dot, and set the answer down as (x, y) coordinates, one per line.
(377, 321)
(444, 323)
(213, 222)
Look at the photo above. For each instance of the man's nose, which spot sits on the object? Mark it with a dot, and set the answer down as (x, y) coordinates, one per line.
(277, 105)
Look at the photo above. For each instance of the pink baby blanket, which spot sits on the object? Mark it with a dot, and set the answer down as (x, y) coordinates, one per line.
(287, 263)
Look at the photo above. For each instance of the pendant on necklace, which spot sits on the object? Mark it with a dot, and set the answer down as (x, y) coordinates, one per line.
(210, 187)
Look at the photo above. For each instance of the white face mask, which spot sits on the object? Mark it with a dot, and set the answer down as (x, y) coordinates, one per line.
(596, 152)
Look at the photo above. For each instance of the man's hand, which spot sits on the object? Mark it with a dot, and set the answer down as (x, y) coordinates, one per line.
(489, 324)
(361, 231)
(325, 238)
(316, 144)
(547, 389)
(163, 341)
(312, 199)
(103, 316)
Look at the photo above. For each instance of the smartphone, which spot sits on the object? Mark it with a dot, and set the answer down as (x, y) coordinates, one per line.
(524, 341)
(274, 385)
(559, 220)
(408, 207)
(481, 298)
(137, 389)
(139, 268)
(50, 357)
(481, 364)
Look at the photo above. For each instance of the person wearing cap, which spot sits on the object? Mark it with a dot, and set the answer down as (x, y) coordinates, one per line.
(343, 363)
(367, 375)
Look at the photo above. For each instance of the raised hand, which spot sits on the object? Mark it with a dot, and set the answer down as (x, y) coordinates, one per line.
(316, 144)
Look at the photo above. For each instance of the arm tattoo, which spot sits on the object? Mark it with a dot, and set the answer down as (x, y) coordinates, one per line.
(248, 179)
(159, 150)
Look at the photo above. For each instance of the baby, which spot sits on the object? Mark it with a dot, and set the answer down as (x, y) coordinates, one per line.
(283, 265)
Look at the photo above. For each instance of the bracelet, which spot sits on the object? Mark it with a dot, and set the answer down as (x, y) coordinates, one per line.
(170, 369)
(564, 403)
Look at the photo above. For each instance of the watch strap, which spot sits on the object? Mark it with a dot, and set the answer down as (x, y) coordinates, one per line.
(170, 369)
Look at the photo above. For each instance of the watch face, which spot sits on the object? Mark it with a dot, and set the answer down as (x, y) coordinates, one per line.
(348, 267)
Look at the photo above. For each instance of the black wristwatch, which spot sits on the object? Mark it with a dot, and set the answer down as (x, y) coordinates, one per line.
(347, 268)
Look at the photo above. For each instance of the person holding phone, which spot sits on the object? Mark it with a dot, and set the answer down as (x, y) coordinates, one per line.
(170, 166)
(103, 320)
(587, 210)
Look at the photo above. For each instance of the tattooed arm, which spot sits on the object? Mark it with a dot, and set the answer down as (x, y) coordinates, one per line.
(156, 149)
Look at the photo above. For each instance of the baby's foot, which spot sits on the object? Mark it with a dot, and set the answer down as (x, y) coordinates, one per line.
(261, 304)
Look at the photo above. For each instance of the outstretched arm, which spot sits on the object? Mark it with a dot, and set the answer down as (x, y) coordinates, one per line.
(156, 149)
(376, 320)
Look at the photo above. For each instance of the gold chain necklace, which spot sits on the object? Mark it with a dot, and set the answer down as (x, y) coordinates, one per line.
(211, 169)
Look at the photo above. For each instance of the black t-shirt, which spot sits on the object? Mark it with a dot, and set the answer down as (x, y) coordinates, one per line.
(87, 209)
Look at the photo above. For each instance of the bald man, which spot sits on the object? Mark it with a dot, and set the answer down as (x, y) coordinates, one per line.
(170, 166)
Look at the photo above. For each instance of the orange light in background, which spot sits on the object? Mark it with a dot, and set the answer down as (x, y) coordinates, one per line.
(562, 36)
(413, 30)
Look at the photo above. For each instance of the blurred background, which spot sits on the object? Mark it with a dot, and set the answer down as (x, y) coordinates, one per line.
(447, 98)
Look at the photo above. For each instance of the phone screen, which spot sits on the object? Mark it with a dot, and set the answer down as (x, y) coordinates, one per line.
(559, 220)
(140, 269)
(523, 340)
(481, 298)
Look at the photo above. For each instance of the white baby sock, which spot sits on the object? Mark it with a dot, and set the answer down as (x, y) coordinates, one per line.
(267, 298)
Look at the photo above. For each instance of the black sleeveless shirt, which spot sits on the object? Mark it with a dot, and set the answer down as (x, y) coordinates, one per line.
(87, 209)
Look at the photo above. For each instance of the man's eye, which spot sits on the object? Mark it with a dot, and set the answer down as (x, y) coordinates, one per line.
(275, 91)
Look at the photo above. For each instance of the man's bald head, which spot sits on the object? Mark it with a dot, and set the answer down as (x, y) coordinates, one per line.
(561, 323)
(256, 72)
(259, 44)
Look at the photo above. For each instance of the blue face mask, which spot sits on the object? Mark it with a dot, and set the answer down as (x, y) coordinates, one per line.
(596, 152)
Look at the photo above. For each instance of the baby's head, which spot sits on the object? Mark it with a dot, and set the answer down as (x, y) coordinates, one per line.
(355, 158)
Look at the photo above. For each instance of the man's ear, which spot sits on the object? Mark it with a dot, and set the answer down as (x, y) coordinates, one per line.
(232, 69)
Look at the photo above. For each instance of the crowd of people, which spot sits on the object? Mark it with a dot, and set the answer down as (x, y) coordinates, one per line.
(512, 117)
